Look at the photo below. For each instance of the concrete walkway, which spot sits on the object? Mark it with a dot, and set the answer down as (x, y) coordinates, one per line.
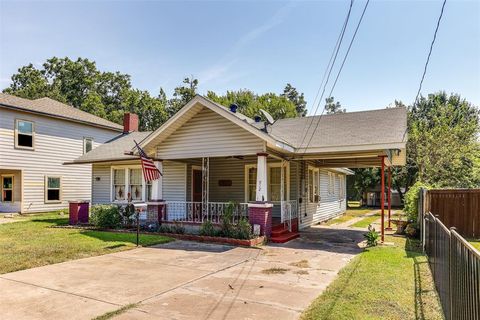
(184, 280)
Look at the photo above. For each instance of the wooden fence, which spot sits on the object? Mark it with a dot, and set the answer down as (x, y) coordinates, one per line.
(459, 208)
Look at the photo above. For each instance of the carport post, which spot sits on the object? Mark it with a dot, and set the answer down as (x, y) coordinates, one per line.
(382, 198)
(389, 199)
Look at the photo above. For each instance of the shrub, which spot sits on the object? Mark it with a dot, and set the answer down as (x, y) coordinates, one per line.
(165, 228)
(178, 228)
(106, 216)
(227, 226)
(243, 230)
(371, 236)
(128, 214)
(411, 200)
(208, 229)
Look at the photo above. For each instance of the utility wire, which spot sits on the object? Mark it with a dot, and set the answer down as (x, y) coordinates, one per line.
(329, 68)
(339, 72)
(428, 60)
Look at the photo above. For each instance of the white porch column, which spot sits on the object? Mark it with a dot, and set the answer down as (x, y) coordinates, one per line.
(157, 185)
(261, 187)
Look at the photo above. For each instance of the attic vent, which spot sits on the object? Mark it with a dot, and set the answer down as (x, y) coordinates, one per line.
(233, 108)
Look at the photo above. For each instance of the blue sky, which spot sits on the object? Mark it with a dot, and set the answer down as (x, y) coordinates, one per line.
(256, 45)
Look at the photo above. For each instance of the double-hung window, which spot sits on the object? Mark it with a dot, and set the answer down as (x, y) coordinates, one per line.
(53, 189)
(87, 144)
(119, 184)
(7, 188)
(274, 182)
(135, 184)
(24, 134)
(313, 185)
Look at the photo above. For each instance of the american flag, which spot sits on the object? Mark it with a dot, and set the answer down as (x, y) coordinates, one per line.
(150, 171)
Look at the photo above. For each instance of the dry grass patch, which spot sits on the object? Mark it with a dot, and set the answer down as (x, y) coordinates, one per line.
(301, 272)
(275, 270)
(300, 264)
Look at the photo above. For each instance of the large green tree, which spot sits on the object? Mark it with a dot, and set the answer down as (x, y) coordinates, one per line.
(249, 103)
(80, 84)
(298, 99)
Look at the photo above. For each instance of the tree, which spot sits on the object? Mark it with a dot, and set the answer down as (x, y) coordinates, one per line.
(333, 107)
(182, 95)
(79, 83)
(249, 103)
(298, 99)
(364, 179)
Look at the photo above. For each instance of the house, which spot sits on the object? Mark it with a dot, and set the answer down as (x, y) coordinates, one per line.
(36, 138)
(210, 155)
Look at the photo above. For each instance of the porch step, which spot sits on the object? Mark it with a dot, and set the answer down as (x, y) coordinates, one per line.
(284, 236)
(278, 231)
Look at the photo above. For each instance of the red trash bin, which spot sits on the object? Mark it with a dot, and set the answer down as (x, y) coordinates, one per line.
(78, 211)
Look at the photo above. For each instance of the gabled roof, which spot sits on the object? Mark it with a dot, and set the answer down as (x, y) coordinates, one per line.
(113, 150)
(55, 109)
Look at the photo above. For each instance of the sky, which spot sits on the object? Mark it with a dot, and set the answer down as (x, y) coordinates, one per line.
(257, 45)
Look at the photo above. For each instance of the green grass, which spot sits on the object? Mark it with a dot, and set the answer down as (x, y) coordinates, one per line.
(475, 244)
(366, 221)
(349, 215)
(353, 204)
(111, 314)
(31, 242)
(384, 282)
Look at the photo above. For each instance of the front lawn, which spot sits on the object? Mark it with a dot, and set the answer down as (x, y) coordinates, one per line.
(349, 215)
(366, 221)
(31, 242)
(384, 282)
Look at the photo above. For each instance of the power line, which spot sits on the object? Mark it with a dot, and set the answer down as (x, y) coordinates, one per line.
(426, 62)
(430, 51)
(329, 68)
(339, 72)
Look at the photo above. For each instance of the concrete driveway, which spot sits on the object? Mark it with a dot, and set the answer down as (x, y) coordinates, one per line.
(184, 280)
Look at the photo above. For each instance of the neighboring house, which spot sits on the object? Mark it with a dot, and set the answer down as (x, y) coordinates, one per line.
(210, 155)
(36, 138)
(373, 195)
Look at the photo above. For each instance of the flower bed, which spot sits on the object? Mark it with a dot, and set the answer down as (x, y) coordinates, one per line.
(189, 237)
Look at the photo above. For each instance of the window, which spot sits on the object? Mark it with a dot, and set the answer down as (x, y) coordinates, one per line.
(275, 183)
(87, 145)
(7, 188)
(341, 187)
(313, 185)
(53, 189)
(135, 186)
(251, 183)
(24, 134)
(149, 190)
(119, 184)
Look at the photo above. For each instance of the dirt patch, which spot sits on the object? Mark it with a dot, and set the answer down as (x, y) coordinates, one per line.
(301, 272)
(275, 270)
(300, 264)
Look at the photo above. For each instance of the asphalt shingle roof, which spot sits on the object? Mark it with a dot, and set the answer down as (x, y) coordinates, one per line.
(53, 108)
(114, 149)
(343, 129)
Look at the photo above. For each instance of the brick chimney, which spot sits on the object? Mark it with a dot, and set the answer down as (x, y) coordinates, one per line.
(130, 122)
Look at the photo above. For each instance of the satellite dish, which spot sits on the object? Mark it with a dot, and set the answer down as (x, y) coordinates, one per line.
(268, 116)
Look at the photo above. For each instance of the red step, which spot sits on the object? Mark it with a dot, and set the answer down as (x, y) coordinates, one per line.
(284, 237)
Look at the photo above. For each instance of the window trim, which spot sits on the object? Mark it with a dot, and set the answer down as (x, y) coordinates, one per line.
(127, 183)
(60, 189)
(269, 165)
(85, 144)
(13, 187)
(16, 132)
(317, 171)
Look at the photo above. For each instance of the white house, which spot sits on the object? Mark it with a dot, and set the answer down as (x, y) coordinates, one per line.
(36, 138)
(210, 155)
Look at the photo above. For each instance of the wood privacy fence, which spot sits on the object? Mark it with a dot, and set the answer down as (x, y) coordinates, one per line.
(459, 208)
(455, 267)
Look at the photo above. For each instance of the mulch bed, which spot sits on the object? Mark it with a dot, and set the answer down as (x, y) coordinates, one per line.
(189, 237)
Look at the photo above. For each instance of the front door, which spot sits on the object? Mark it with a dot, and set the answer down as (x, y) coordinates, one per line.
(196, 185)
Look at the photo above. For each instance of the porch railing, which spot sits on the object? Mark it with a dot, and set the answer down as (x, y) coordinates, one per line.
(289, 211)
(190, 211)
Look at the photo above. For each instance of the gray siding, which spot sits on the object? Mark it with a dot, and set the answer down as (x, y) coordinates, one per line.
(330, 204)
(208, 134)
(174, 181)
(56, 141)
(101, 179)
